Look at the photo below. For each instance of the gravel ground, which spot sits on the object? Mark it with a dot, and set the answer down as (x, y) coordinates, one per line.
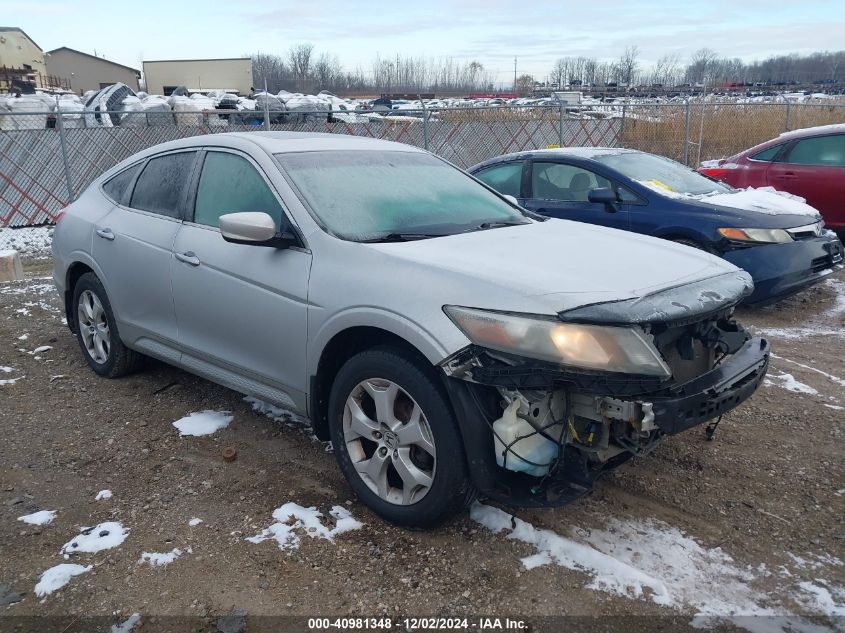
(751, 522)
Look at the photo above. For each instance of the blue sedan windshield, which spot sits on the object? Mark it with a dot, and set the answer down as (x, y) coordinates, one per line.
(661, 173)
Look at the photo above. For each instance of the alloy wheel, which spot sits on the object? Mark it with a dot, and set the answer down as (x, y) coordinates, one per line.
(389, 440)
(93, 327)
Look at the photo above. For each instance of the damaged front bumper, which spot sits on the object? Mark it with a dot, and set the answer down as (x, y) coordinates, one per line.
(621, 410)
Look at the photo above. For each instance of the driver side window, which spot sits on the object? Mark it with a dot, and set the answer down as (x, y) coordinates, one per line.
(230, 184)
(567, 183)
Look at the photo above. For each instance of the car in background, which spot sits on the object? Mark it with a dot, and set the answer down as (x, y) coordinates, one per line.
(809, 163)
(779, 240)
(448, 342)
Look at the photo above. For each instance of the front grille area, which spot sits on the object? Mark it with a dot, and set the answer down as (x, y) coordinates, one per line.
(806, 232)
(819, 264)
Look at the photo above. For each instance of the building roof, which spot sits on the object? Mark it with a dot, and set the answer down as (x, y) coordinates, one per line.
(108, 61)
(19, 30)
(217, 59)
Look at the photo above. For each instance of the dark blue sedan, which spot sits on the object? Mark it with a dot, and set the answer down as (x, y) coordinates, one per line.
(779, 240)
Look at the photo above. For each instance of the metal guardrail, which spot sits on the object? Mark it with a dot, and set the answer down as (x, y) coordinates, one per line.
(46, 159)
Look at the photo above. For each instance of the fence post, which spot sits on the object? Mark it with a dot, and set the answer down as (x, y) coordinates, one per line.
(560, 126)
(425, 125)
(61, 125)
(686, 132)
(622, 127)
(788, 123)
(266, 113)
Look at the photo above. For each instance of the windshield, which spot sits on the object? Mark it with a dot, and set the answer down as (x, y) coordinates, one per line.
(368, 195)
(661, 174)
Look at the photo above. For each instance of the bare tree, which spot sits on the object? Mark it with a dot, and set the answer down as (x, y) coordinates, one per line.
(299, 59)
(628, 64)
(525, 85)
(701, 64)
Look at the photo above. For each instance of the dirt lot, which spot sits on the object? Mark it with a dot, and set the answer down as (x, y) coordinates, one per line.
(769, 491)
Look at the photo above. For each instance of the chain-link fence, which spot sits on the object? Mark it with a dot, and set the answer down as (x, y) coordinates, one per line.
(46, 159)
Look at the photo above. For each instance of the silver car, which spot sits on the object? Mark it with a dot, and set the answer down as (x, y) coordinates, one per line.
(448, 342)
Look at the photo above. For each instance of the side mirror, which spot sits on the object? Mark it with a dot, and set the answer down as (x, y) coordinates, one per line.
(253, 228)
(605, 196)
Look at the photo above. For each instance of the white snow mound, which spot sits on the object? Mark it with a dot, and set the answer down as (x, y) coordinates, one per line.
(95, 539)
(203, 422)
(43, 517)
(57, 577)
(156, 559)
(292, 517)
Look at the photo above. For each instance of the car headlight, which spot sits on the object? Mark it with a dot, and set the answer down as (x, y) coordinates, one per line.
(603, 348)
(764, 236)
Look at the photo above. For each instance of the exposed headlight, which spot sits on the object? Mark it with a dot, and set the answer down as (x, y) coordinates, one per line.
(765, 236)
(612, 349)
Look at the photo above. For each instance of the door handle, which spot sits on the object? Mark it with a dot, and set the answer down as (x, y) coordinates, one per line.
(189, 257)
(789, 175)
(106, 234)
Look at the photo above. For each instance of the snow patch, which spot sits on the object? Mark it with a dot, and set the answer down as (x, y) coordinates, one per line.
(6, 370)
(156, 559)
(95, 539)
(788, 382)
(194, 522)
(203, 422)
(127, 625)
(43, 348)
(31, 240)
(831, 377)
(103, 494)
(43, 517)
(818, 598)
(57, 577)
(292, 517)
(648, 559)
(11, 381)
(766, 200)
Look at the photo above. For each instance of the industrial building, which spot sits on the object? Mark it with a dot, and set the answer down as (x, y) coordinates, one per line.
(232, 75)
(88, 72)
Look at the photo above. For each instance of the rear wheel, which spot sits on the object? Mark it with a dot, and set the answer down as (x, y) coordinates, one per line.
(97, 333)
(396, 439)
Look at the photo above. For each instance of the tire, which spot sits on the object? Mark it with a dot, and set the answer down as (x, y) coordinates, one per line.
(421, 444)
(692, 244)
(96, 331)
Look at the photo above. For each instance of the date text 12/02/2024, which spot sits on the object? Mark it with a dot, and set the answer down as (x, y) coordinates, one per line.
(417, 624)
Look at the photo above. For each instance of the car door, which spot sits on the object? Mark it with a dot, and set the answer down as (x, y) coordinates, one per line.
(241, 308)
(814, 168)
(561, 190)
(133, 247)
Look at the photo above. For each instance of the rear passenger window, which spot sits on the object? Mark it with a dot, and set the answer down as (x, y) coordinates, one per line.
(161, 186)
(767, 155)
(506, 179)
(115, 187)
(231, 184)
(821, 150)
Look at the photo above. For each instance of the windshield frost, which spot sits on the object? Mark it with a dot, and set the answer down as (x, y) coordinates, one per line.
(362, 195)
(659, 173)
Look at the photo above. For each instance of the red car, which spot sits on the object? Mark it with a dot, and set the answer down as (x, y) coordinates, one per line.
(809, 163)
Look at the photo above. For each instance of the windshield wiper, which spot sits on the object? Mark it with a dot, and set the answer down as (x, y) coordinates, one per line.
(494, 225)
(401, 237)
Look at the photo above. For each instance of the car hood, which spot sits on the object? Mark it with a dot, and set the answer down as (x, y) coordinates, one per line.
(557, 265)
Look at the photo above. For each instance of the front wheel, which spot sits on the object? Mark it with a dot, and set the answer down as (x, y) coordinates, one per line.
(396, 439)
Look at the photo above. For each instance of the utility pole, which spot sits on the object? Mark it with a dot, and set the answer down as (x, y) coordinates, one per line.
(514, 74)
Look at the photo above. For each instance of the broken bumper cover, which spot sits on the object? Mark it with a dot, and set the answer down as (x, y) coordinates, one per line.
(716, 392)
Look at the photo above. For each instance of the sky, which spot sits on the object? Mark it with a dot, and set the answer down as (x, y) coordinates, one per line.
(489, 31)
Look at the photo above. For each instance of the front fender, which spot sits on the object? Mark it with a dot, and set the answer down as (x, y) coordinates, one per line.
(422, 336)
